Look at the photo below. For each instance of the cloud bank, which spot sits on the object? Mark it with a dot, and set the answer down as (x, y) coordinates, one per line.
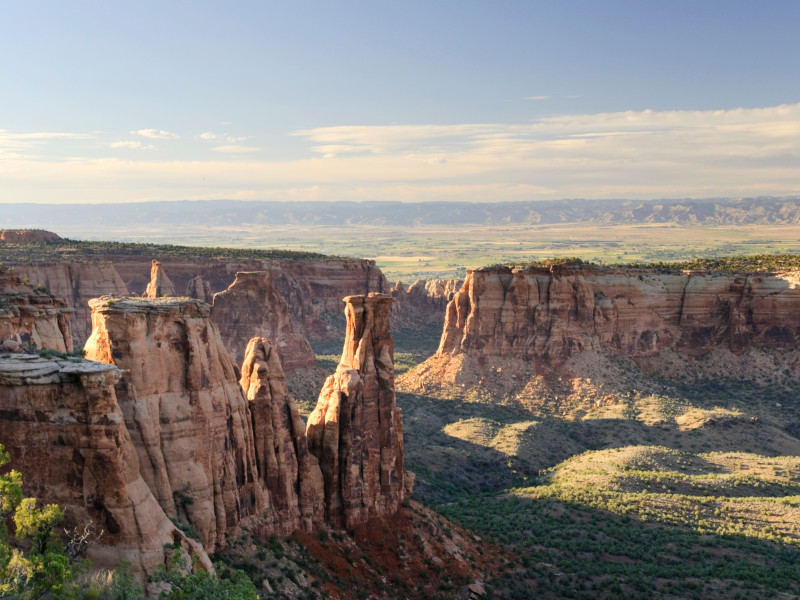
(643, 154)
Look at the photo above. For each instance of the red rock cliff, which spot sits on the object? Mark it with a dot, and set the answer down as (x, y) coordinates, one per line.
(76, 283)
(252, 307)
(185, 410)
(308, 286)
(356, 429)
(30, 316)
(289, 474)
(546, 315)
(63, 427)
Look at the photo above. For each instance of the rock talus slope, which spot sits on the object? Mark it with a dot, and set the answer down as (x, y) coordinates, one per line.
(253, 307)
(185, 410)
(356, 429)
(63, 427)
(289, 474)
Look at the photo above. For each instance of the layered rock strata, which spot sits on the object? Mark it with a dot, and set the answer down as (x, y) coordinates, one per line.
(356, 429)
(199, 289)
(422, 304)
(310, 287)
(63, 427)
(289, 474)
(76, 283)
(160, 285)
(32, 317)
(252, 307)
(185, 410)
(545, 315)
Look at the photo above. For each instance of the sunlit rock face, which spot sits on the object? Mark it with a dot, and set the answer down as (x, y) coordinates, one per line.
(62, 424)
(289, 474)
(356, 429)
(545, 315)
(160, 285)
(186, 412)
(253, 307)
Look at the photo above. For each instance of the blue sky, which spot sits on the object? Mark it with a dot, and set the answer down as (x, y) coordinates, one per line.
(122, 101)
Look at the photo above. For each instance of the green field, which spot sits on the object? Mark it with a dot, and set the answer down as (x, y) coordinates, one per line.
(421, 252)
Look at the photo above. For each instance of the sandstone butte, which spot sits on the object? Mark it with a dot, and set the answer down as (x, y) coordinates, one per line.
(356, 428)
(253, 307)
(31, 317)
(186, 413)
(160, 285)
(64, 430)
(537, 318)
(28, 236)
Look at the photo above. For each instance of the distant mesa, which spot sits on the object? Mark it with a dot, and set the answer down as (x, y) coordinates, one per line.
(29, 236)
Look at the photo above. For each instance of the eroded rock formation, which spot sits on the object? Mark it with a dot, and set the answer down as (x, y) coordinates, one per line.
(310, 286)
(29, 236)
(30, 316)
(200, 289)
(76, 283)
(185, 410)
(422, 304)
(290, 475)
(252, 307)
(160, 285)
(545, 315)
(63, 427)
(356, 429)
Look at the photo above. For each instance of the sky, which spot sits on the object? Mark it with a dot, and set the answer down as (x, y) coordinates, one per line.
(412, 101)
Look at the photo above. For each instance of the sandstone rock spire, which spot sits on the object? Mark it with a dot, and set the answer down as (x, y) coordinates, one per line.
(290, 475)
(160, 285)
(356, 429)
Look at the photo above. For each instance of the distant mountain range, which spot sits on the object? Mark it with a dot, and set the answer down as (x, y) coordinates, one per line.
(236, 213)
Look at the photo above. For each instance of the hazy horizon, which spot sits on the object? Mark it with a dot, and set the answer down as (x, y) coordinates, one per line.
(413, 102)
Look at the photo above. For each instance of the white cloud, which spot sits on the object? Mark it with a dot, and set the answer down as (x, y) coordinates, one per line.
(208, 135)
(235, 149)
(538, 97)
(642, 154)
(156, 134)
(132, 144)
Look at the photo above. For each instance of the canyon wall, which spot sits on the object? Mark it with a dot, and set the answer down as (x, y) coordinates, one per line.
(252, 307)
(356, 428)
(64, 430)
(76, 283)
(545, 315)
(309, 286)
(31, 316)
(185, 410)
(423, 303)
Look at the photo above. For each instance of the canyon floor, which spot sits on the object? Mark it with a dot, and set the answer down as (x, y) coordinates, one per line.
(686, 488)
